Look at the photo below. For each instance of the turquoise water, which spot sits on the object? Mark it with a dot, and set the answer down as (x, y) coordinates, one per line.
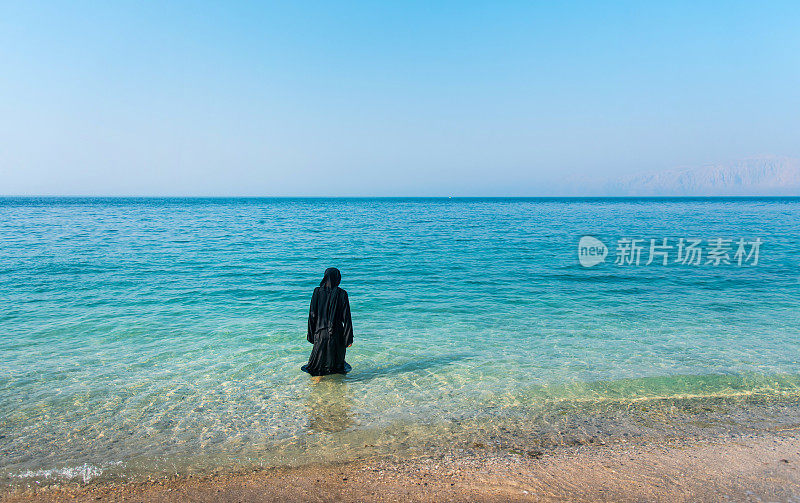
(145, 335)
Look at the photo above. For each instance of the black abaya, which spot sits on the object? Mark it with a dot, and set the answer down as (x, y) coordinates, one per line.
(330, 328)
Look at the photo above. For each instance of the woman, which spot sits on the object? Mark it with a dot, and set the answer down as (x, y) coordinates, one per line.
(329, 327)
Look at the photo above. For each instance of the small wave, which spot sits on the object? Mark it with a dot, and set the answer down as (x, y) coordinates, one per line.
(84, 472)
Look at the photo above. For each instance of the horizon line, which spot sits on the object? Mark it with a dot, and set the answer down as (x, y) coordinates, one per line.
(92, 196)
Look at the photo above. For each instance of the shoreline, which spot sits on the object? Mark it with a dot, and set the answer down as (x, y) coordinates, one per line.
(764, 466)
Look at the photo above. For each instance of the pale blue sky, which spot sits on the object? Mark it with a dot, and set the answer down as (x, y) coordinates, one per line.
(386, 98)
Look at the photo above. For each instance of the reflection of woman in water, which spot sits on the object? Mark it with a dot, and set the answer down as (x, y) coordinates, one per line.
(330, 328)
(329, 406)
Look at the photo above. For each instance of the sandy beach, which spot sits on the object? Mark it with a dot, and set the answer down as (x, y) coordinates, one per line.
(762, 467)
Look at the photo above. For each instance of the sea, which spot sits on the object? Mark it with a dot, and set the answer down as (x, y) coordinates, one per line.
(148, 337)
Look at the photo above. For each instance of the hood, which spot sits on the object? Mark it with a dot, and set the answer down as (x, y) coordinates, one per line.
(332, 278)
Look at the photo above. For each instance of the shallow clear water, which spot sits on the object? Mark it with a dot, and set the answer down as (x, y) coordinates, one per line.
(149, 334)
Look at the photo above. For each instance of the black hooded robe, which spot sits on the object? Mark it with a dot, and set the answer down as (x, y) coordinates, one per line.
(330, 328)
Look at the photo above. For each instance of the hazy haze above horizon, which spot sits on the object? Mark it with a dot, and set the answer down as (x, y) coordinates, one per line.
(417, 99)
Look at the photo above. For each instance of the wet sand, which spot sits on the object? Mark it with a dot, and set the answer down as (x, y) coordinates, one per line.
(762, 467)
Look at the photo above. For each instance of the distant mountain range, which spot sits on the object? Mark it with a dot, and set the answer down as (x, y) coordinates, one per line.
(766, 176)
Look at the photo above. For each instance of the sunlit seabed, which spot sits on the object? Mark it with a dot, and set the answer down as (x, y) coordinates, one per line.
(158, 336)
(332, 425)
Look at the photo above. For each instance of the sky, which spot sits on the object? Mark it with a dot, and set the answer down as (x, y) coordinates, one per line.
(383, 98)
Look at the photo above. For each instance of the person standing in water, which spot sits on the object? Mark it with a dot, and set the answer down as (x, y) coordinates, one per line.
(330, 328)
